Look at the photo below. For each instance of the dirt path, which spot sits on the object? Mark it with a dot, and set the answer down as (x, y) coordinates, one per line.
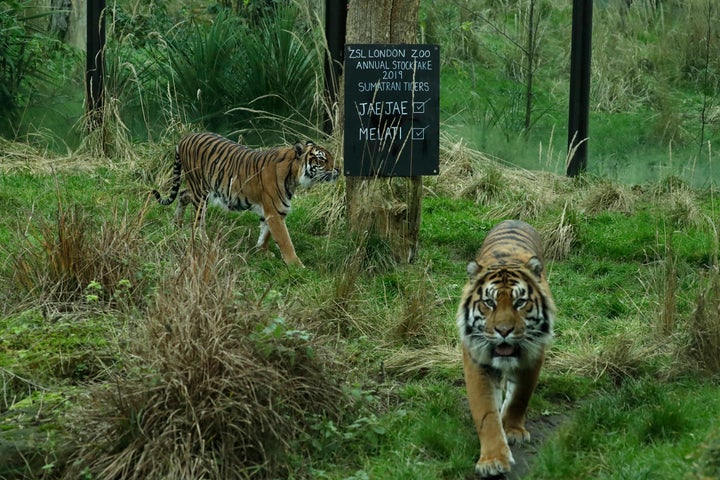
(524, 455)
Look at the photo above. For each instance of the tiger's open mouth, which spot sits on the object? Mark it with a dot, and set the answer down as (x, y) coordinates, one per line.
(506, 350)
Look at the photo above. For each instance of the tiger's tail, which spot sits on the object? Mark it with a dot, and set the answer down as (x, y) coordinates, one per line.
(177, 167)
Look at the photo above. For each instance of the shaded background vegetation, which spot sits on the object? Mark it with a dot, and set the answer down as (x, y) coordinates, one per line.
(242, 67)
(123, 337)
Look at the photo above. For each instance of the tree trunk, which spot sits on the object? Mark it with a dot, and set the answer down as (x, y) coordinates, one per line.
(388, 207)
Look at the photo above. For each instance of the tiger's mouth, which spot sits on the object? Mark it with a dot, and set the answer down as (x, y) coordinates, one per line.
(327, 176)
(506, 350)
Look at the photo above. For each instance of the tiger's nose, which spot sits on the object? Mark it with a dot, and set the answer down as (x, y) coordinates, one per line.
(504, 330)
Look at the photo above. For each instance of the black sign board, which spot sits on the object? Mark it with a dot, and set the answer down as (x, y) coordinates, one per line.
(392, 110)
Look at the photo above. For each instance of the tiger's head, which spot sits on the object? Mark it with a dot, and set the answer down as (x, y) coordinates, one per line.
(318, 164)
(506, 314)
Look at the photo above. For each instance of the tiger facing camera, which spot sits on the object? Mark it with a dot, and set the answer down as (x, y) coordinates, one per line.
(505, 321)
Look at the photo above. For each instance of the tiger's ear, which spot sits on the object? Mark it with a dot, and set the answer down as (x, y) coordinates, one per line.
(535, 265)
(299, 148)
(309, 143)
(472, 268)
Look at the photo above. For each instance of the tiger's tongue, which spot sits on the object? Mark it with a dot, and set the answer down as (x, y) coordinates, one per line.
(504, 350)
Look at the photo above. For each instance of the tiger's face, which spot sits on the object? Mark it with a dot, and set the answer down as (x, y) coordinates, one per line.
(503, 321)
(318, 165)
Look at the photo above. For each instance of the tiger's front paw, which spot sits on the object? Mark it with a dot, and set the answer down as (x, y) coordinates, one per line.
(491, 465)
(517, 435)
(294, 262)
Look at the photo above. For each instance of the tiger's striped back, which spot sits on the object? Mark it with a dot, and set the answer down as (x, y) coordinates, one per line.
(511, 242)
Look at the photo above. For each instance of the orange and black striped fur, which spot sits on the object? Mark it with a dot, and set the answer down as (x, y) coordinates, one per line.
(237, 177)
(505, 321)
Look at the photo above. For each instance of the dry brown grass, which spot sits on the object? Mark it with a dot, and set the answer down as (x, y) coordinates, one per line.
(215, 385)
(59, 259)
(561, 236)
(609, 197)
(618, 358)
(464, 171)
(683, 209)
(409, 363)
(511, 192)
(702, 332)
(412, 323)
(528, 207)
(23, 157)
(486, 187)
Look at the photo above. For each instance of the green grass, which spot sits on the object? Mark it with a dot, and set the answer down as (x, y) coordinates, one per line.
(637, 405)
(624, 368)
(641, 430)
(648, 115)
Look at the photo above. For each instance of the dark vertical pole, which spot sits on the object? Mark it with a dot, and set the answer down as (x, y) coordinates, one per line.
(95, 66)
(335, 26)
(579, 85)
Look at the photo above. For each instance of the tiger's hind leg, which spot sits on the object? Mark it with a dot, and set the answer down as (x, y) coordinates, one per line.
(264, 237)
(199, 224)
(183, 202)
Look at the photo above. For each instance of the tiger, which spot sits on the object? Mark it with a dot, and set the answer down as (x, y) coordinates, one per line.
(237, 177)
(505, 321)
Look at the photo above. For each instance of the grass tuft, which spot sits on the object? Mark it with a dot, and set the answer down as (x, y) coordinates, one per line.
(486, 187)
(703, 332)
(409, 363)
(559, 238)
(619, 358)
(525, 206)
(683, 210)
(414, 325)
(609, 197)
(215, 385)
(73, 260)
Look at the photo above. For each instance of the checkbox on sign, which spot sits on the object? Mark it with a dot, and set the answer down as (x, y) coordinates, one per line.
(419, 107)
(418, 134)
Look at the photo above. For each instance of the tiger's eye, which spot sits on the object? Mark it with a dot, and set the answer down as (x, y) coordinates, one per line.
(489, 303)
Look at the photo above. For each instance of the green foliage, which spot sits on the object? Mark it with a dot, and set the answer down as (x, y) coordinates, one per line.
(163, 319)
(70, 349)
(205, 358)
(708, 463)
(227, 74)
(22, 50)
(202, 64)
(651, 113)
(282, 68)
(629, 428)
